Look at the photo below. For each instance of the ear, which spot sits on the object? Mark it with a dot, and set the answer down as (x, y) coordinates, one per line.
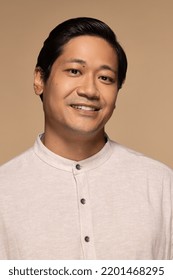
(38, 81)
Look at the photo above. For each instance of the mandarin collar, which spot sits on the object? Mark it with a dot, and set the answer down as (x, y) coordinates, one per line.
(65, 164)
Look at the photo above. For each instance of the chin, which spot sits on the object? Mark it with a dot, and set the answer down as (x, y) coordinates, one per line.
(87, 132)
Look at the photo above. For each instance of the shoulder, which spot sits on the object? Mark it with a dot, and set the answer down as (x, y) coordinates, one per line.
(17, 164)
(138, 161)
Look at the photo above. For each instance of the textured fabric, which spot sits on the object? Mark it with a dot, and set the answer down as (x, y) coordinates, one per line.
(126, 211)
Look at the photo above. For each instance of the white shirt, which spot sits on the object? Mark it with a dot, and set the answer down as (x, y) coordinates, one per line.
(117, 204)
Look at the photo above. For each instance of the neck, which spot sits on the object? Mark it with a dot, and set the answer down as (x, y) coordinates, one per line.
(76, 148)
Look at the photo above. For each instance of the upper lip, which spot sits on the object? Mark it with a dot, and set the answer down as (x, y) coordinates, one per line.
(86, 105)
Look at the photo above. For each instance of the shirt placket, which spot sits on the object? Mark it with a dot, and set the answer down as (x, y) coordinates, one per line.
(85, 215)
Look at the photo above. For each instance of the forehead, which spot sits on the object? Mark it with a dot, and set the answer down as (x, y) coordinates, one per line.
(89, 48)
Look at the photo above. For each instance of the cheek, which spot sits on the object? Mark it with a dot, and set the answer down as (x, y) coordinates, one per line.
(63, 88)
(111, 99)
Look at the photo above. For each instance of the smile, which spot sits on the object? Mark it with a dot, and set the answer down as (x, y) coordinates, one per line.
(85, 108)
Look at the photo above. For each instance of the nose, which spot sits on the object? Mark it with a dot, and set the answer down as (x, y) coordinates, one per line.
(88, 88)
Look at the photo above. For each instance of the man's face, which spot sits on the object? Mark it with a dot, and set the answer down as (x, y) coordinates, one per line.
(80, 94)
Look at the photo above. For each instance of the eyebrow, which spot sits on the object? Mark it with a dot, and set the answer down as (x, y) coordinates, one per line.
(102, 67)
(76, 60)
(107, 67)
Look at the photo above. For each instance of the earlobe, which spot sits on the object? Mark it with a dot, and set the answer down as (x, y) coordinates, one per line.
(38, 81)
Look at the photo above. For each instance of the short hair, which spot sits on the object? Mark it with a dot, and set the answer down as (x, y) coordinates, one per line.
(74, 27)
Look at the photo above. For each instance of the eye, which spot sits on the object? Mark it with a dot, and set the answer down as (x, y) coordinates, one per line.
(107, 79)
(73, 72)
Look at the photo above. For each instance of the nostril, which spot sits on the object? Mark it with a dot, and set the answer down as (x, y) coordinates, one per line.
(88, 94)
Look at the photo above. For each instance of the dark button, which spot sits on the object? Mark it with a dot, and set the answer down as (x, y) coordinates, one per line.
(83, 200)
(87, 239)
(78, 167)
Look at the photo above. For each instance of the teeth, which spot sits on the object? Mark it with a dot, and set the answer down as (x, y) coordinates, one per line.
(81, 107)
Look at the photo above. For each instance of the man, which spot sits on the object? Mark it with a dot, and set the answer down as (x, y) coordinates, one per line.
(76, 194)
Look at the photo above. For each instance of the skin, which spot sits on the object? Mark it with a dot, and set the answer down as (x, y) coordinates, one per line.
(79, 97)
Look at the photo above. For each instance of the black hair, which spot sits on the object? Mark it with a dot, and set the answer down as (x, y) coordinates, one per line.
(62, 33)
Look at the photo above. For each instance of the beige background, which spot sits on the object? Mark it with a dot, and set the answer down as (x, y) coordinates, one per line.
(144, 114)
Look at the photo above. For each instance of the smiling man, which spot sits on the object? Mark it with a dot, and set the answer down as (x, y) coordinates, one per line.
(79, 97)
(76, 194)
